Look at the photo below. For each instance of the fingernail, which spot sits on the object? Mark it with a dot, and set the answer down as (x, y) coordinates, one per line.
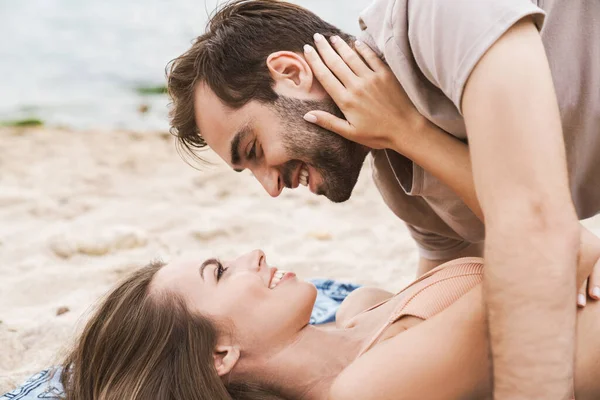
(310, 117)
(596, 292)
(318, 37)
(357, 43)
(333, 39)
(581, 299)
(307, 48)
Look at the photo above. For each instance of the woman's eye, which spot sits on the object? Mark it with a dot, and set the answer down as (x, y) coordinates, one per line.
(220, 271)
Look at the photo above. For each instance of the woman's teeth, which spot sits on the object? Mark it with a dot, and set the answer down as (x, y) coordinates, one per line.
(276, 278)
(304, 176)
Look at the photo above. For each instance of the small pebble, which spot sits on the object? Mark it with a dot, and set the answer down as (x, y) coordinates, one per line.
(209, 234)
(99, 243)
(62, 310)
(323, 236)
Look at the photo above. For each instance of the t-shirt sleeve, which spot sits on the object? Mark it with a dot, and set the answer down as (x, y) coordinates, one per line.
(436, 247)
(449, 37)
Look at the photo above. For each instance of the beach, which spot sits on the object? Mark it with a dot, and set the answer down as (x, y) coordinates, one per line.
(82, 209)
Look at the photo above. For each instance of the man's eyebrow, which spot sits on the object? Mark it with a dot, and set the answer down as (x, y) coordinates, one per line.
(235, 144)
(210, 261)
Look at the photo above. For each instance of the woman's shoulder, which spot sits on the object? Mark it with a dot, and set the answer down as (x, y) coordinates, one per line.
(367, 297)
(358, 301)
(450, 347)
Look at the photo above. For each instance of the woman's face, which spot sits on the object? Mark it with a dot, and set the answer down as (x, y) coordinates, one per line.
(246, 292)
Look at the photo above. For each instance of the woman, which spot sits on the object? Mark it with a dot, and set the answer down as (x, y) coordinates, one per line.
(239, 329)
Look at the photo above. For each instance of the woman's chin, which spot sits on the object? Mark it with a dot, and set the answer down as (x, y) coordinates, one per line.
(305, 298)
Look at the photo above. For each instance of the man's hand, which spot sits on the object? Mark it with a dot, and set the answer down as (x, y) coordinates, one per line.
(589, 255)
(591, 288)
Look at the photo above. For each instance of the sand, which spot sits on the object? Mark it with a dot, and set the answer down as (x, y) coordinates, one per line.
(81, 209)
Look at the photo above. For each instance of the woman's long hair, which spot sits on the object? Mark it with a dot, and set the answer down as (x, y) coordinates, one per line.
(142, 345)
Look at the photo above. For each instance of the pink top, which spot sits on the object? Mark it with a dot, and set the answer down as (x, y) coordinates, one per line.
(433, 292)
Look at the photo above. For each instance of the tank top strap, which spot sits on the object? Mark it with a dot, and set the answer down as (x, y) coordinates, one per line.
(423, 277)
(452, 280)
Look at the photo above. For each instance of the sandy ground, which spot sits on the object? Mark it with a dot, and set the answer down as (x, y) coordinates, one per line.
(79, 210)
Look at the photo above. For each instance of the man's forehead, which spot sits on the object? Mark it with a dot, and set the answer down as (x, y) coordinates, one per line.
(217, 122)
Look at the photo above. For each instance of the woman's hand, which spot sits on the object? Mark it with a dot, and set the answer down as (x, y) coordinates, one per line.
(377, 110)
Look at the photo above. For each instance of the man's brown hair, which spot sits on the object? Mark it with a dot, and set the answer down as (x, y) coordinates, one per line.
(231, 58)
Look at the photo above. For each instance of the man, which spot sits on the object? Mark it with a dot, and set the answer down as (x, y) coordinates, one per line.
(490, 70)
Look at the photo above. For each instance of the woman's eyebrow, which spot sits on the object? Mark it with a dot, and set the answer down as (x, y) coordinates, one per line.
(210, 261)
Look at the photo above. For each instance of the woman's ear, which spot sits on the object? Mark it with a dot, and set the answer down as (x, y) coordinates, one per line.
(225, 358)
(291, 73)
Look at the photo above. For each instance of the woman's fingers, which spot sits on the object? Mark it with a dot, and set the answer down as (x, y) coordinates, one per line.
(375, 63)
(333, 60)
(582, 294)
(331, 84)
(350, 57)
(330, 122)
(594, 282)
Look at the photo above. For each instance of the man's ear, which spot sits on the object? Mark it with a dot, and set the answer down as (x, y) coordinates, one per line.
(225, 358)
(292, 74)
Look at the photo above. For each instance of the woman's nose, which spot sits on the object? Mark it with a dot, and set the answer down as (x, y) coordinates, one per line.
(259, 258)
(254, 260)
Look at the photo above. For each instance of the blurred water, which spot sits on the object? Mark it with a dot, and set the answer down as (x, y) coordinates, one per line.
(77, 63)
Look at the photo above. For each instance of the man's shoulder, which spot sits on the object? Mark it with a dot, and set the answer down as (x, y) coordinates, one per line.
(383, 20)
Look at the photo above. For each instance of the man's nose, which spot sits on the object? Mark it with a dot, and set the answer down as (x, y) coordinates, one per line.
(270, 179)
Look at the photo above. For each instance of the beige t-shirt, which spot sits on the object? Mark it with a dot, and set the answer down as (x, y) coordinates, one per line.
(432, 46)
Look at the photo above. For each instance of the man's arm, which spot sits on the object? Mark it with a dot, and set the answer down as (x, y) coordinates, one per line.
(447, 158)
(532, 234)
(518, 155)
(440, 154)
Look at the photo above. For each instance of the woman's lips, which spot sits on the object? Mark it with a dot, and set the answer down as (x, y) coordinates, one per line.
(279, 277)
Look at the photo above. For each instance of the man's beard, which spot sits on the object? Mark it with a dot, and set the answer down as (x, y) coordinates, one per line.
(337, 159)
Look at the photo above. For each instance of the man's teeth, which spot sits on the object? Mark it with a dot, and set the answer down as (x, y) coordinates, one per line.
(276, 278)
(304, 176)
